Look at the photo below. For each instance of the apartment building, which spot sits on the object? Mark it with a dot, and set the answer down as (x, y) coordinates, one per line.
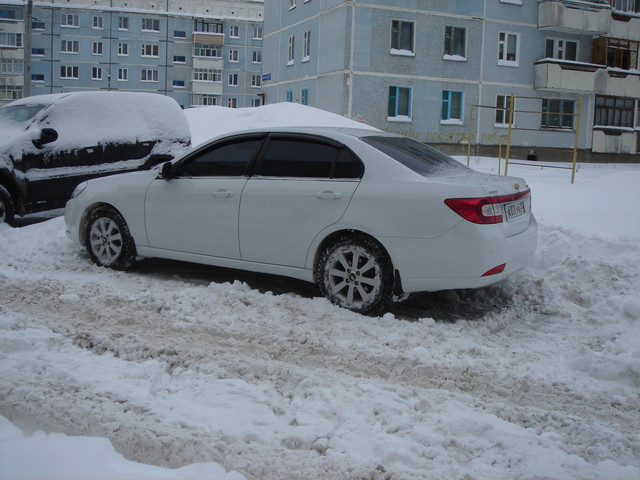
(198, 52)
(424, 69)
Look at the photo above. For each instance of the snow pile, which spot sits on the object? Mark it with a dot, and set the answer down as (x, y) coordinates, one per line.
(258, 376)
(209, 122)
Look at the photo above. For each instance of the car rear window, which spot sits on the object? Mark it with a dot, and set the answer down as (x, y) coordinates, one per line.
(417, 156)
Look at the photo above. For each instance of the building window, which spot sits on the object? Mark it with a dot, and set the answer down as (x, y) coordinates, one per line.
(622, 54)
(37, 52)
(292, 51)
(292, 4)
(123, 49)
(96, 73)
(306, 46)
(257, 56)
(508, 49)
(69, 72)
(233, 80)
(289, 96)
(256, 102)
(207, 75)
(614, 112)
(38, 26)
(234, 31)
(626, 5)
(96, 48)
(12, 66)
(233, 56)
(150, 25)
(37, 77)
(8, 39)
(98, 22)
(557, 113)
(179, 34)
(149, 75)
(256, 81)
(402, 37)
(178, 83)
(202, 50)
(70, 20)
(179, 59)
(451, 111)
(205, 99)
(10, 92)
(6, 14)
(232, 102)
(69, 46)
(304, 96)
(206, 26)
(455, 43)
(561, 49)
(123, 74)
(503, 108)
(150, 50)
(257, 32)
(123, 23)
(399, 104)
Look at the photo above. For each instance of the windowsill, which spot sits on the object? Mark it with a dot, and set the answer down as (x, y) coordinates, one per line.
(150, 31)
(123, 55)
(508, 63)
(400, 119)
(453, 121)
(503, 125)
(179, 63)
(70, 53)
(149, 56)
(402, 53)
(305, 59)
(454, 58)
(207, 57)
(290, 62)
(512, 2)
(178, 86)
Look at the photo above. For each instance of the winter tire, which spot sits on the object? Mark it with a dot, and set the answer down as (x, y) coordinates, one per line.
(7, 209)
(356, 273)
(108, 240)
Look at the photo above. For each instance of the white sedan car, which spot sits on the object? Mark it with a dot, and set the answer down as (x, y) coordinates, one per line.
(366, 215)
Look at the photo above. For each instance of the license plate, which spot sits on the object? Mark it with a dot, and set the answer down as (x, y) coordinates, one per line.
(514, 209)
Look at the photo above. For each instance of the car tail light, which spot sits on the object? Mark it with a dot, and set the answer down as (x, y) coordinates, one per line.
(495, 270)
(483, 210)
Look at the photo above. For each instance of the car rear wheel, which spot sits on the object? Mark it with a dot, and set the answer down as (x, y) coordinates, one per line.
(355, 272)
(108, 240)
(7, 209)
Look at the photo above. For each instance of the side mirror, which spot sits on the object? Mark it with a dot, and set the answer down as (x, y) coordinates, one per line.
(47, 135)
(166, 171)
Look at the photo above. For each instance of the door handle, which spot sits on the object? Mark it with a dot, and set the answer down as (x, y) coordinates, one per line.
(329, 195)
(223, 194)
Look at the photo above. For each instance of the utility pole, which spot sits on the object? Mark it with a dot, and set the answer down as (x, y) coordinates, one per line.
(27, 50)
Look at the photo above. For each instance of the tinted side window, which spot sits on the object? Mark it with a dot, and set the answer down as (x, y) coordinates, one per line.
(415, 155)
(226, 160)
(348, 166)
(297, 158)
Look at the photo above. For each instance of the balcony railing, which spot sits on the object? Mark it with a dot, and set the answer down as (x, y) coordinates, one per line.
(565, 76)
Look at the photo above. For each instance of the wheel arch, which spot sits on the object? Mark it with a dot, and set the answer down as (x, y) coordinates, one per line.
(14, 190)
(84, 219)
(347, 232)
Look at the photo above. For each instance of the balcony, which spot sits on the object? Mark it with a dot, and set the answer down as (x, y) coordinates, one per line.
(563, 76)
(588, 17)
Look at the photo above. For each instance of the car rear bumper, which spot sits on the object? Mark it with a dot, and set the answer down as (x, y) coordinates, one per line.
(461, 257)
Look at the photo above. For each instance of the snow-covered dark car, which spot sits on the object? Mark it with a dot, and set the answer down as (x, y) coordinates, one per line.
(51, 143)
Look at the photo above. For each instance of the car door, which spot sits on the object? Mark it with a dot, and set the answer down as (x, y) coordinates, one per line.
(196, 211)
(300, 186)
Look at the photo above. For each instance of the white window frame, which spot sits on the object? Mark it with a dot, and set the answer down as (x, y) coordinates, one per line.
(234, 31)
(233, 80)
(150, 50)
(560, 48)
(149, 75)
(291, 50)
(96, 73)
(306, 46)
(257, 32)
(256, 81)
(10, 39)
(70, 72)
(96, 48)
(505, 108)
(212, 75)
(234, 55)
(292, 4)
(123, 49)
(123, 74)
(70, 46)
(503, 47)
(257, 56)
(153, 21)
(123, 23)
(97, 22)
(70, 20)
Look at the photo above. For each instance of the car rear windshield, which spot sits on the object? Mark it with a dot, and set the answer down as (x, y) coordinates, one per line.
(417, 156)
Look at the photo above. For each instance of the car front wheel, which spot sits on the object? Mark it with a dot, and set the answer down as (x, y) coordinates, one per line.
(355, 272)
(7, 211)
(108, 240)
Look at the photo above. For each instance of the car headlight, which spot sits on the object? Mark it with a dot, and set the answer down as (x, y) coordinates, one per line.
(79, 189)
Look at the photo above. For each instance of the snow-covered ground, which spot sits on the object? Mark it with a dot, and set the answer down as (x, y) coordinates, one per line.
(215, 374)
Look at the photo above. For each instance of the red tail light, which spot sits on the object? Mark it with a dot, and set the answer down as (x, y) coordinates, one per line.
(495, 270)
(483, 210)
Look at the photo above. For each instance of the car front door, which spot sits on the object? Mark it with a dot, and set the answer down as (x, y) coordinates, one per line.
(196, 211)
(300, 186)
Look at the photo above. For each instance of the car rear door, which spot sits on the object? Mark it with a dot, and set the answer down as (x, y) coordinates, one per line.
(196, 211)
(300, 186)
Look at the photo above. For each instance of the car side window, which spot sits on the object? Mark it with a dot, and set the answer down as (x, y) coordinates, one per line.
(229, 159)
(307, 158)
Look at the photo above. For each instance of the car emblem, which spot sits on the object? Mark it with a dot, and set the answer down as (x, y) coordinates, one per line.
(516, 186)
